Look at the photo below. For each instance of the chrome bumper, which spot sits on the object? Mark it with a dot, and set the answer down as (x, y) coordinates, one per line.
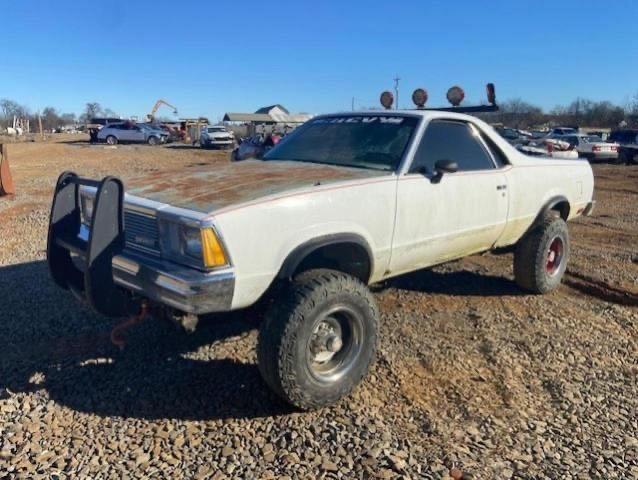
(183, 288)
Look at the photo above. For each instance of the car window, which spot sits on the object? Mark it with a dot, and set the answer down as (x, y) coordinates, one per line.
(451, 140)
(499, 157)
(363, 141)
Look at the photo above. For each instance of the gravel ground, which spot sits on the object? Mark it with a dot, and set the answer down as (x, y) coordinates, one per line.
(472, 373)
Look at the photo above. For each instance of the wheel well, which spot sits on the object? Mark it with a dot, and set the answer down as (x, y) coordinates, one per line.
(562, 207)
(345, 256)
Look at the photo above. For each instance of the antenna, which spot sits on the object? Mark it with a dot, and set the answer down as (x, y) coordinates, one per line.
(396, 89)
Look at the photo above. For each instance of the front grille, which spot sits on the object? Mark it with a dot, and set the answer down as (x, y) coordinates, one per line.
(141, 232)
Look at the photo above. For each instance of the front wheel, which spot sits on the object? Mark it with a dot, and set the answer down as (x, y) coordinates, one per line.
(319, 339)
(111, 140)
(541, 256)
(153, 140)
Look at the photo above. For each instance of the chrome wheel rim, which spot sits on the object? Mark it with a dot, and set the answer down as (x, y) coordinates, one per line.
(334, 344)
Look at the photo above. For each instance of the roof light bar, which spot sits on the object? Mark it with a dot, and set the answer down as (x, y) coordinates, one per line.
(455, 96)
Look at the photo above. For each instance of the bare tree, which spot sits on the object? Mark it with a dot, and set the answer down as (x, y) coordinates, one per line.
(10, 108)
(50, 118)
(632, 105)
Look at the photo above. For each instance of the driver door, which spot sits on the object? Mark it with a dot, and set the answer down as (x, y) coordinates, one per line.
(136, 134)
(460, 213)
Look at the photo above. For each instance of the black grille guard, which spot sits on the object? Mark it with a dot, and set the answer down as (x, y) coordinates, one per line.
(93, 281)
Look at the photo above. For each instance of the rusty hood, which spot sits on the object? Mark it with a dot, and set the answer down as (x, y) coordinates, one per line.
(213, 187)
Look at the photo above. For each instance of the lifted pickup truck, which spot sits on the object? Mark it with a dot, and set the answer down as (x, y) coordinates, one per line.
(345, 201)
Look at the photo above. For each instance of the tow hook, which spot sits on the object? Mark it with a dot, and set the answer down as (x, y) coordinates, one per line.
(117, 337)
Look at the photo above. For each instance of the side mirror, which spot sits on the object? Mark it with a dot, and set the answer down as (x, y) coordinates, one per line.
(443, 166)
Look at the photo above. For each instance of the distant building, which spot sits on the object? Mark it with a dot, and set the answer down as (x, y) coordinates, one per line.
(274, 115)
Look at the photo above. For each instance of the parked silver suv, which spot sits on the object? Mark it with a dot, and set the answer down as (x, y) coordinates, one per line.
(128, 132)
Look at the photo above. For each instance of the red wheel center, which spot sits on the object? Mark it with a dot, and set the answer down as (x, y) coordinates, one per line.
(554, 256)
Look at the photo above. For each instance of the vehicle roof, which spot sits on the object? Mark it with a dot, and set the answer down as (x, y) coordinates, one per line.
(424, 113)
(577, 134)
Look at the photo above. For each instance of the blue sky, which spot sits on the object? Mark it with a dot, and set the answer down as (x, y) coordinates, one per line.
(211, 57)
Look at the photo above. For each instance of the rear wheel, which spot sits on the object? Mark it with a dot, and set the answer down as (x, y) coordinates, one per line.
(541, 256)
(111, 140)
(319, 339)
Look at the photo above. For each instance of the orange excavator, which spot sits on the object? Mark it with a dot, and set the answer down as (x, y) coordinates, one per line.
(6, 182)
(151, 116)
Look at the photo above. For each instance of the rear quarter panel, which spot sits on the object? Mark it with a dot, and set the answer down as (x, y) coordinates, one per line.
(259, 236)
(534, 182)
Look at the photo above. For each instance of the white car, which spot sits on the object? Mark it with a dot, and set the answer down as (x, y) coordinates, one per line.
(562, 131)
(216, 136)
(590, 147)
(345, 201)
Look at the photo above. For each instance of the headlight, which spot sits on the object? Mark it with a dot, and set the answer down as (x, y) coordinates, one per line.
(86, 208)
(192, 242)
(197, 247)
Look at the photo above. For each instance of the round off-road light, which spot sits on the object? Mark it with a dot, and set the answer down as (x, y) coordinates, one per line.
(419, 97)
(491, 93)
(387, 99)
(455, 95)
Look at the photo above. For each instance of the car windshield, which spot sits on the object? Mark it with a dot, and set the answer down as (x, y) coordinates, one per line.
(593, 139)
(216, 129)
(375, 141)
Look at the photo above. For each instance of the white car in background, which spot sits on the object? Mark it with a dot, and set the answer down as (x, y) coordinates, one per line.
(216, 136)
(590, 147)
(562, 131)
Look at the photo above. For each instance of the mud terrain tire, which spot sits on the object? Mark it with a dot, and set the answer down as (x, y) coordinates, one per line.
(318, 339)
(541, 256)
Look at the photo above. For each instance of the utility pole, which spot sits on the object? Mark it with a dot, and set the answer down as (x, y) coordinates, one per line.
(396, 90)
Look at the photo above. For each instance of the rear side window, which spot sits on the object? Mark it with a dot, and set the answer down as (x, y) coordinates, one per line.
(450, 140)
(499, 157)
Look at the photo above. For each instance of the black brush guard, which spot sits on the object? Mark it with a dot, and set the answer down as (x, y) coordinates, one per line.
(92, 278)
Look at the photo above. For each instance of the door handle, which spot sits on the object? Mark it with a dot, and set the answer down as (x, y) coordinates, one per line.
(501, 187)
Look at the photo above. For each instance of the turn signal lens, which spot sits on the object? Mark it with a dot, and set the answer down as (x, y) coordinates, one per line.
(212, 250)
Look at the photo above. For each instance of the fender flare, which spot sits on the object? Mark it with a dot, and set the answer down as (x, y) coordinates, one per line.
(549, 205)
(299, 253)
